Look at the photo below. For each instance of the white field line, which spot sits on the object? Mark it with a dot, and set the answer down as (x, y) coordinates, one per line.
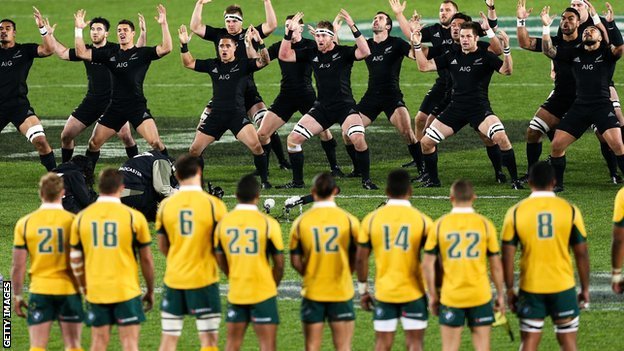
(430, 197)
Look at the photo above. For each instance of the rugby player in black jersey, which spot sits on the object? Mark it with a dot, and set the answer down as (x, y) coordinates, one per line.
(593, 64)
(233, 18)
(99, 88)
(332, 66)
(471, 69)
(229, 75)
(128, 67)
(15, 62)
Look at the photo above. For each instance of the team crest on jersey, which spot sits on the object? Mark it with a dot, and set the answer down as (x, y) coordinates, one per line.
(379, 311)
(91, 316)
(449, 315)
(336, 56)
(165, 303)
(235, 69)
(478, 61)
(133, 57)
(18, 54)
(388, 50)
(37, 315)
(112, 59)
(599, 59)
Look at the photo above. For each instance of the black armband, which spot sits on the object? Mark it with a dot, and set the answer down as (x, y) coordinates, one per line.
(614, 34)
(261, 46)
(493, 23)
(184, 48)
(356, 31)
(288, 35)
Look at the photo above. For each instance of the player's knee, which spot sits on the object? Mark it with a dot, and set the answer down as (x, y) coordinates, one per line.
(421, 119)
(568, 327)
(533, 136)
(616, 104)
(35, 134)
(355, 133)
(299, 135)
(557, 147)
(531, 326)
(539, 125)
(259, 115)
(195, 150)
(171, 324)
(66, 138)
(434, 136)
(208, 323)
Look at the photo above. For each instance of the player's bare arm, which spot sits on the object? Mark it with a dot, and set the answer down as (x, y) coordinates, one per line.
(337, 24)
(60, 50)
(47, 48)
(278, 268)
(286, 52)
(196, 24)
(509, 253)
(165, 47)
(18, 271)
(147, 269)
(361, 267)
(522, 14)
(187, 59)
(424, 65)
(270, 23)
(496, 273)
(581, 257)
(495, 44)
(296, 261)
(429, 272)
(262, 55)
(222, 263)
(610, 18)
(398, 8)
(164, 244)
(547, 45)
(491, 12)
(362, 51)
(142, 41)
(507, 67)
(76, 262)
(249, 48)
(79, 23)
(617, 256)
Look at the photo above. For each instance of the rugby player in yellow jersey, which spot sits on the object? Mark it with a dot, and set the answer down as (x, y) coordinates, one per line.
(104, 239)
(617, 246)
(322, 251)
(546, 227)
(44, 236)
(245, 239)
(186, 222)
(465, 242)
(395, 233)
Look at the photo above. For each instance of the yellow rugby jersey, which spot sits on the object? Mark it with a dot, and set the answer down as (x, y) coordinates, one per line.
(396, 232)
(463, 239)
(45, 234)
(248, 237)
(545, 226)
(110, 234)
(618, 209)
(188, 219)
(324, 235)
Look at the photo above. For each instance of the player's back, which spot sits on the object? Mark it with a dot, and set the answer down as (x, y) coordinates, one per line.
(545, 226)
(248, 237)
(188, 219)
(395, 233)
(325, 235)
(45, 234)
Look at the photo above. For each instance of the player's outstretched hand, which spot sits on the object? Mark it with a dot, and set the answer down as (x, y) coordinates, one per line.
(609, 16)
(485, 24)
(337, 23)
(311, 30)
(345, 15)
(184, 35)
(294, 22)
(521, 11)
(504, 38)
(397, 6)
(547, 19)
(79, 19)
(489, 3)
(590, 8)
(148, 301)
(162, 14)
(142, 25)
(366, 302)
(38, 17)
(49, 28)
(203, 2)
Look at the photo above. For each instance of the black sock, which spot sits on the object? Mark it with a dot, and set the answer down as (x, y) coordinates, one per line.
(48, 160)
(94, 156)
(495, 155)
(329, 147)
(363, 162)
(509, 160)
(431, 166)
(610, 158)
(278, 149)
(559, 164)
(620, 162)
(296, 162)
(551, 134)
(261, 166)
(66, 154)
(351, 152)
(533, 152)
(267, 150)
(132, 151)
(416, 153)
(164, 151)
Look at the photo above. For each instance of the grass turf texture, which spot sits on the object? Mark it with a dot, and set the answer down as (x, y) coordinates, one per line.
(176, 97)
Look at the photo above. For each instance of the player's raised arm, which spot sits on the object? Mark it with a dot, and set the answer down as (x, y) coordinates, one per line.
(196, 25)
(187, 59)
(262, 55)
(18, 271)
(59, 49)
(398, 8)
(617, 43)
(286, 52)
(507, 67)
(424, 65)
(524, 40)
(249, 48)
(47, 48)
(547, 45)
(165, 47)
(492, 18)
(495, 44)
(362, 51)
(81, 49)
(270, 24)
(142, 41)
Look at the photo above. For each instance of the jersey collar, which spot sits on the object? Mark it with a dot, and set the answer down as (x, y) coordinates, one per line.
(104, 198)
(318, 204)
(399, 202)
(463, 210)
(542, 194)
(191, 188)
(247, 207)
(50, 206)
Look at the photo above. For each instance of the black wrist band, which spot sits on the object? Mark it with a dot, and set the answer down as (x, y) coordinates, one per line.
(184, 48)
(288, 35)
(356, 31)
(261, 46)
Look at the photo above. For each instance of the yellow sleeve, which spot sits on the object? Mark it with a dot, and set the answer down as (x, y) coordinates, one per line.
(618, 209)
(295, 243)
(578, 235)
(431, 245)
(276, 236)
(220, 209)
(493, 248)
(141, 228)
(74, 236)
(363, 238)
(508, 233)
(19, 237)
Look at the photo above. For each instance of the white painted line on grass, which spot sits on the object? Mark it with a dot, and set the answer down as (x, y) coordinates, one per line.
(429, 197)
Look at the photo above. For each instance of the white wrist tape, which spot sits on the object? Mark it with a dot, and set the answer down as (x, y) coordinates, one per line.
(596, 19)
(362, 288)
(78, 32)
(43, 31)
(520, 22)
(546, 30)
(490, 33)
(616, 278)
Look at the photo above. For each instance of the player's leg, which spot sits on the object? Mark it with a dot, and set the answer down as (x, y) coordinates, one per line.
(414, 317)
(73, 127)
(353, 128)
(494, 154)
(608, 156)
(544, 122)
(131, 312)
(32, 129)
(328, 143)
(434, 134)
(306, 128)
(71, 335)
(199, 144)
(269, 124)
(129, 336)
(494, 129)
(39, 335)
(100, 337)
(267, 336)
(171, 330)
(401, 120)
(125, 135)
(342, 334)
(451, 337)
(266, 318)
(568, 131)
(531, 311)
(248, 136)
(70, 321)
(257, 113)
(481, 337)
(99, 136)
(313, 334)
(235, 335)
(385, 321)
(613, 137)
(350, 147)
(148, 130)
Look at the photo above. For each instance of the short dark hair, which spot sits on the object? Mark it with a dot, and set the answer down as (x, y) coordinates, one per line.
(388, 20)
(292, 16)
(326, 25)
(462, 190)
(572, 10)
(229, 37)
(128, 22)
(398, 183)
(247, 189)
(110, 181)
(475, 27)
(101, 20)
(452, 3)
(324, 185)
(461, 15)
(541, 175)
(10, 21)
(186, 166)
(232, 9)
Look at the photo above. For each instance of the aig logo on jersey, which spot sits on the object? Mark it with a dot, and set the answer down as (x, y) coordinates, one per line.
(587, 67)
(224, 77)
(465, 68)
(378, 58)
(122, 65)
(6, 63)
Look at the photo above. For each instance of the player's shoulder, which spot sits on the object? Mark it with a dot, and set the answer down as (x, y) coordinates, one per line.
(620, 194)
(272, 221)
